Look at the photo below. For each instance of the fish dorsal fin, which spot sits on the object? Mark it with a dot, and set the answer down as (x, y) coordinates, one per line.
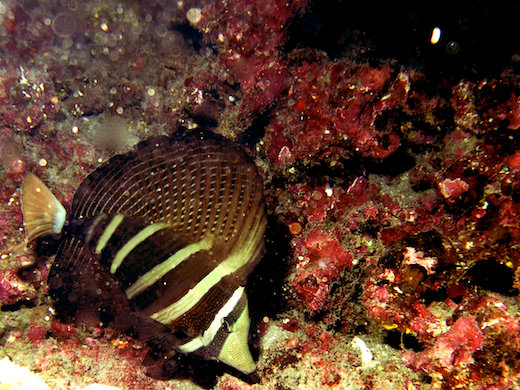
(43, 214)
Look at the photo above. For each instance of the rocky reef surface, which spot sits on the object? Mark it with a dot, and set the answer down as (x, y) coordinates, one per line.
(393, 247)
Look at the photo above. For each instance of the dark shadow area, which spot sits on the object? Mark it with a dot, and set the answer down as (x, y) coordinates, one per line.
(193, 37)
(264, 286)
(491, 275)
(475, 41)
(255, 133)
(394, 165)
(204, 373)
(27, 304)
(400, 340)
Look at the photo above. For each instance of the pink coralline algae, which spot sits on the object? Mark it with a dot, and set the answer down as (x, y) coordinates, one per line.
(27, 98)
(413, 257)
(408, 243)
(36, 334)
(394, 197)
(321, 261)
(513, 112)
(249, 27)
(453, 189)
(337, 104)
(454, 347)
(250, 35)
(12, 289)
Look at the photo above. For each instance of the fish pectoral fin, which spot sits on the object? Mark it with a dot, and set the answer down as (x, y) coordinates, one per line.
(43, 214)
(152, 358)
(158, 336)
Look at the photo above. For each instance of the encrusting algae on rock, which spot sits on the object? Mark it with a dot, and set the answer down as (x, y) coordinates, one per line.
(390, 185)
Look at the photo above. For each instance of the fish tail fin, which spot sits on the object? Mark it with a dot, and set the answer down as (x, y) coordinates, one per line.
(43, 214)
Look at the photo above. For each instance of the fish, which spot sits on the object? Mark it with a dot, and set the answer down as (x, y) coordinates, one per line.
(159, 242)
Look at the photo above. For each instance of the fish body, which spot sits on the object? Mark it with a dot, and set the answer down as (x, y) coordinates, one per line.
(160, 241)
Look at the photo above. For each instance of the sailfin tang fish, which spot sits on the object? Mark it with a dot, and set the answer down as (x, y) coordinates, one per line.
(160, 241)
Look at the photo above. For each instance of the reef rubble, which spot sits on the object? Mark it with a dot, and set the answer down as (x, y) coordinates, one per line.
(393, 248)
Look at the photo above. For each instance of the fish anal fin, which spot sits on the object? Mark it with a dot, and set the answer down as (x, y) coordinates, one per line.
(43, 214)
(82, 289)
(84, 292)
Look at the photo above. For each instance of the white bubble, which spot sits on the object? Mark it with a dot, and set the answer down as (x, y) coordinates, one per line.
(111, 40)
(161, 30)
(436, 35)
(173, 43)
(66, 44)
(137, 29)
(164, 17)
(72, 5)
(169, 5)
(113, 55)
(100, 38)
(194, 15)
(452, 47)
(64, 25)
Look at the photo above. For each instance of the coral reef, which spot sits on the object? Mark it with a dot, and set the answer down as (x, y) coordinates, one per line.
(393, 247)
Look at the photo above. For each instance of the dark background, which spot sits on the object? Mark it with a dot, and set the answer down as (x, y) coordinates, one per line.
(487, 34)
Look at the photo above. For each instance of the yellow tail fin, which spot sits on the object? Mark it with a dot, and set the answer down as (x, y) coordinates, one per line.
(43, 214)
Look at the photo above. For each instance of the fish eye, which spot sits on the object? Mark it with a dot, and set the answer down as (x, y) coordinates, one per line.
(226, 324)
